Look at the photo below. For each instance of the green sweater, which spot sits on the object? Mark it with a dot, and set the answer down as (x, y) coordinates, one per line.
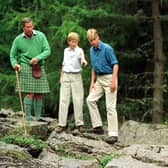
(24, 49)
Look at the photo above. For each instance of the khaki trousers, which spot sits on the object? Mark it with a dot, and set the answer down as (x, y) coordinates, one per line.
(71, 85)
(102, 86)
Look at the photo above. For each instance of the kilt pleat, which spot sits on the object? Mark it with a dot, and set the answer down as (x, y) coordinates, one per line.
(30, 84)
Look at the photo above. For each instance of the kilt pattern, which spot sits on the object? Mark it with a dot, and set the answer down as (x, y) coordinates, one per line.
(30, 84)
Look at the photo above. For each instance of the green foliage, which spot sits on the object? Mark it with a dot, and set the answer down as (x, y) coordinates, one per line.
(135, 109)
(61, 148)
(118, 22)
(105, 159)
(24, 141)
(8, 97)
(51, 100)
(65, 28)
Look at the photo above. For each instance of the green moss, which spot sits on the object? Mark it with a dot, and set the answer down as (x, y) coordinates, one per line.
(20, 155)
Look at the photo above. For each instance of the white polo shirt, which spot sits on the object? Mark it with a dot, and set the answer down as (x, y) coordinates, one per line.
(72, 59)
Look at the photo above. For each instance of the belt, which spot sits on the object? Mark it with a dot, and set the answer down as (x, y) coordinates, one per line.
(72, 72)
(102, 73)
(39, 62)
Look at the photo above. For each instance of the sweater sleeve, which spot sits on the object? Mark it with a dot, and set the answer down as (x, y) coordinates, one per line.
(13, 53)
(46, 51)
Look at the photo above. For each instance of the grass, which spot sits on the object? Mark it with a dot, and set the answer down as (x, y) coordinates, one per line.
(105, 159)
(24, 141)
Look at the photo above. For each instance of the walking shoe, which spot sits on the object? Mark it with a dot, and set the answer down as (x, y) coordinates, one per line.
(96, 130)
(78, 130)
(60, 129)
(81, 129)
(111, 139)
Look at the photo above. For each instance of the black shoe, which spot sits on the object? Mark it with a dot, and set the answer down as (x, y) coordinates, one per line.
(111, 139)
(96, 130)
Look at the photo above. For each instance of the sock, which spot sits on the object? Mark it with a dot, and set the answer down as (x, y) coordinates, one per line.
(37, 104)
(28, 107)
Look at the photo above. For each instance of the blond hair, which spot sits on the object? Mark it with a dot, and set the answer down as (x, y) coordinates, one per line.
(92, 34)
(73, 36)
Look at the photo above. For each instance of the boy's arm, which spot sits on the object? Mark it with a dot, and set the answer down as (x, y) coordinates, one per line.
(113, 84)
(83, 60)
(62, 74)
(92, 82)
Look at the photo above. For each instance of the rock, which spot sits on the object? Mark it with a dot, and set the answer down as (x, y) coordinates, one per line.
(15, 157)
(157, 154)
(13, 123)
(140, 146)
(66, 145)
(143, 156)
(132, 132)
(129, 162)
(62, 162)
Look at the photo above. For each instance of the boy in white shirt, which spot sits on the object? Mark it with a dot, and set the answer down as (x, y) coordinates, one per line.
(71, 83)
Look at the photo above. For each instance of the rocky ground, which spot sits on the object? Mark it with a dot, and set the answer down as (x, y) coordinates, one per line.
(140, 146)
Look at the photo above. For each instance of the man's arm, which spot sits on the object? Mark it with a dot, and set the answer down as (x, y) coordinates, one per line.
(46, 51)
(13, 55)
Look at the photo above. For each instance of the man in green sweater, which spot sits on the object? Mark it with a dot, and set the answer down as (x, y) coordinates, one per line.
(30, 49)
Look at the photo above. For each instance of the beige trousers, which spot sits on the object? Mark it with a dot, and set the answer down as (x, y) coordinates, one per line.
(71, 86)
(102, 86)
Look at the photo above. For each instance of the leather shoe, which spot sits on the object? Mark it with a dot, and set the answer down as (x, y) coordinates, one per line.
(96, 130)
(81, 129)
(111, 139)
(60, 129)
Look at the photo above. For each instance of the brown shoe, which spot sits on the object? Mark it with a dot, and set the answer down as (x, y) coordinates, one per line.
(60, 129)
(96, 130)
(81, 129)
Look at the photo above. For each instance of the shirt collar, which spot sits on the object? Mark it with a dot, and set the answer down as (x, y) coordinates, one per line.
(24, 35)
(99, 47)
(73, 49)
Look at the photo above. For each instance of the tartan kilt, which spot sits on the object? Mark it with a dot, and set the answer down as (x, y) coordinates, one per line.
(29, 84)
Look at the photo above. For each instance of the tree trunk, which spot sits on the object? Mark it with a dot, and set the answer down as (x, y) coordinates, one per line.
(158, 64)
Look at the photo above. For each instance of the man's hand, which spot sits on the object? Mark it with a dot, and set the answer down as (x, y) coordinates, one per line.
(16, 67)
(33, 61)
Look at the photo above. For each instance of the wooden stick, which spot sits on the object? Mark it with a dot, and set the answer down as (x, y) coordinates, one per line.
(21, 102)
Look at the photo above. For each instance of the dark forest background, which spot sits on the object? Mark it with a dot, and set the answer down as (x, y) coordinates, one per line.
(126, 25)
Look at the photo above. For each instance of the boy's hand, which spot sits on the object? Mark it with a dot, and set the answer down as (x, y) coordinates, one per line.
(91, 88)
(84, 62)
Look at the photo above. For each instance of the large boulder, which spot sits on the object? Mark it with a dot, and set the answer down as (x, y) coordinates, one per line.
(132, 132)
